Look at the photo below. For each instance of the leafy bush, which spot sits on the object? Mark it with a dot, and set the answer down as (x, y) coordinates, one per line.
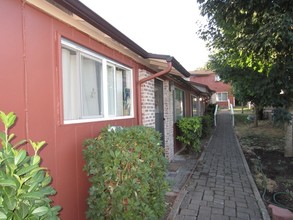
(191, 131)
(127, 172)
(24, 185)
(281, 116)
(207, 123)
(210, 109)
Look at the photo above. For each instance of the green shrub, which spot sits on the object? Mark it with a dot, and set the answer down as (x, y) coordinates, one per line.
(191, 132)
(24, 185)
(210, 109)
(207, 123)
(127, 172)
(281, 116)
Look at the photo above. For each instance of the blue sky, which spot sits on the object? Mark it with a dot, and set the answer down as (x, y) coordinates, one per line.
(159, 26)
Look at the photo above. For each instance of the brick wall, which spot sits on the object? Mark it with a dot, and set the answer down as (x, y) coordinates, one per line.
(169, 121)
(147, 100)
(218, 86)
(148, 110)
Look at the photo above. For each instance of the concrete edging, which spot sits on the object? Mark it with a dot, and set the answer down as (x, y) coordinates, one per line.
(263, 209)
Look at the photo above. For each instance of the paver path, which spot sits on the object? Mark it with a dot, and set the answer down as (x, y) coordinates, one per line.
(220, 187)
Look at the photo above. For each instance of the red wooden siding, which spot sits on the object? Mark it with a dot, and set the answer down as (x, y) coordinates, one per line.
(30, 85)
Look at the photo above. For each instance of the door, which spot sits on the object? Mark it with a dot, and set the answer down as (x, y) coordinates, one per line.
(159, 108)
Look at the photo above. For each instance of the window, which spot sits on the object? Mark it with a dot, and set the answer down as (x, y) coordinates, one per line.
(94, 88)
(222, 96)
(178, 104)
(217, 78)
(194, 104)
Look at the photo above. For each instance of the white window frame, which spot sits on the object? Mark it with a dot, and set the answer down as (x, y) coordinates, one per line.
(221, 100)
(217, 78)
(183, 104)
(195, 112)
(65, 43)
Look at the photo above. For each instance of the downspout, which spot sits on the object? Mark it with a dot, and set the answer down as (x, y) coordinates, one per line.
(140, 82)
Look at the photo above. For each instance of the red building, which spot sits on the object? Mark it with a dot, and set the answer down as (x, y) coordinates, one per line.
(67, 73)
(223, 95)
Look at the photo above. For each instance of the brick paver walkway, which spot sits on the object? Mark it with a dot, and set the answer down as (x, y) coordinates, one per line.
(220, 187)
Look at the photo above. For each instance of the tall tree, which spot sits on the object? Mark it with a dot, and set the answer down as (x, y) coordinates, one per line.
(253, 33)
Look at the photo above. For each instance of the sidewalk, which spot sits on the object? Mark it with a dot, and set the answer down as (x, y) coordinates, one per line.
(219, 186)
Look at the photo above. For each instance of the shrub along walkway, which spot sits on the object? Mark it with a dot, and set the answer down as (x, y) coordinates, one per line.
(221, 186)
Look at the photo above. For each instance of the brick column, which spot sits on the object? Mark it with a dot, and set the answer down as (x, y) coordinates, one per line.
(147, 100)
(169, 120)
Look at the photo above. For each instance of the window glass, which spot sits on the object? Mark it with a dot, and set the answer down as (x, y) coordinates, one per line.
(70, 84)
(178, 104)
(93, 87)
(194, 106)
(222, 96)
(111, 90)
(91, 72)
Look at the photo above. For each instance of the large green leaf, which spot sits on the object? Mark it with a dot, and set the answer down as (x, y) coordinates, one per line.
(32, 195)
(19, 157)
(8, 182)
(22, 210)
(35, 159)
(2, 216)
(40, 211)
(9, 202)
(26, 170)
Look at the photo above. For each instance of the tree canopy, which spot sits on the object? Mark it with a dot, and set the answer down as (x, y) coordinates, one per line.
(253, 33)
(252, 42)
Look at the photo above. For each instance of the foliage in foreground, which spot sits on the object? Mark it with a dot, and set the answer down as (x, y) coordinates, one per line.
(207, 124)
(190, 132)
(281, 116)
(24, 185)
(127, 173)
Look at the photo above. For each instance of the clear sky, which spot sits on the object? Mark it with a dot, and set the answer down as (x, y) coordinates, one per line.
(159, 26)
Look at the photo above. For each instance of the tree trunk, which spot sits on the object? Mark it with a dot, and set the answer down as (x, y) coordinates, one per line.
(255, 116)
(242, 111)
(288, 150)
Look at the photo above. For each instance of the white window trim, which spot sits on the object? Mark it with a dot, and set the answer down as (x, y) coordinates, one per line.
(105, 61)
(222, 100)
(184, 103)
(217, 78)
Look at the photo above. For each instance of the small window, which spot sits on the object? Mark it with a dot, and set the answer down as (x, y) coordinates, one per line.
(119, 96)
(94, 88)
(178, 104)
(217, 78)
(194, 104)
(222, 96)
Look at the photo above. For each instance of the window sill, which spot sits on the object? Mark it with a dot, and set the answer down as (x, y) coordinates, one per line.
(80, 121)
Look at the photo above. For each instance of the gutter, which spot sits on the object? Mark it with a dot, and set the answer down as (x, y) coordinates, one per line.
(101, 24)
(98, 22)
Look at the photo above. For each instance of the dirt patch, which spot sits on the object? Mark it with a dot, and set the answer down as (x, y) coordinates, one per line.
(263, 148)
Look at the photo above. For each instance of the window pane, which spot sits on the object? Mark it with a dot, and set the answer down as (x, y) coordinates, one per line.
(194, 106)
(111, 90)
(123, 92)
(70, 84)
(91, 72)
(224, 96)
(179, 104)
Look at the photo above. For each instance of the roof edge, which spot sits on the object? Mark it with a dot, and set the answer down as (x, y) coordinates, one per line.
(98, 22)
